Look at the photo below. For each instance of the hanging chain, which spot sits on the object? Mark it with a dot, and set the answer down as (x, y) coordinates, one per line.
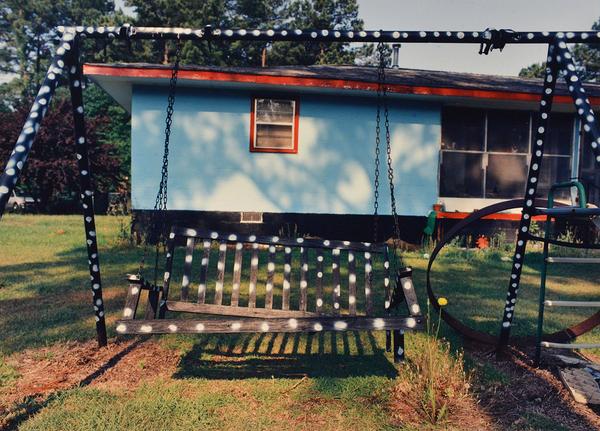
(377, 150)
(382, 100)
(160, 205)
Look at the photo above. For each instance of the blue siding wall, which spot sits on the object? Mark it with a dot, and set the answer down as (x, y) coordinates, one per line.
(211, 167)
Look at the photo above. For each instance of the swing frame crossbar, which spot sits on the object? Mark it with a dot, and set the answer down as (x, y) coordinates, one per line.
(66, 62)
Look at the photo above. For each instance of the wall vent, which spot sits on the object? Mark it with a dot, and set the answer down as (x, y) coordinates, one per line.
(251, 217)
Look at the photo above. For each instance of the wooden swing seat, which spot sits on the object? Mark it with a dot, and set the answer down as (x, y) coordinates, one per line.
(313, 303)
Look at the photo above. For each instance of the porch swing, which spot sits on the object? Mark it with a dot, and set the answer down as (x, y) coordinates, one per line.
(316, 302)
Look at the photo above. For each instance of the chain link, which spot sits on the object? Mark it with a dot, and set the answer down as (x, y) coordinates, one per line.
(160, 204)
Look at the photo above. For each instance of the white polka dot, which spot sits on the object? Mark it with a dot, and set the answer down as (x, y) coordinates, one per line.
(378, 323)
(318, 327)
(340, 325)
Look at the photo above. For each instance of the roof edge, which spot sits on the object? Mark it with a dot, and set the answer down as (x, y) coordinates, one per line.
(162, 72)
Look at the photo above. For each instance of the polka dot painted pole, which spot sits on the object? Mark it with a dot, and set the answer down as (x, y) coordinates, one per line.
(492, 37)
(87, 193)
(582, 103)
(18, 157)
(530, 192)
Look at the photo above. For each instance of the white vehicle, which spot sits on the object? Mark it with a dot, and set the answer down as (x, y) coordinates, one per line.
(20, 203)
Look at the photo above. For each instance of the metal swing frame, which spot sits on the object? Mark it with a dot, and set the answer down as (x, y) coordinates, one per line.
(66, 63)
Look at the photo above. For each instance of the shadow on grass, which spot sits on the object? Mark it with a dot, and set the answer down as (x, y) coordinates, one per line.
(42, 303)
(288, 355)
(32, 404)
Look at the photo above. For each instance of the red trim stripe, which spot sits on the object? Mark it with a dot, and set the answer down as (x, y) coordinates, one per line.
(500, 216)
(203, 75)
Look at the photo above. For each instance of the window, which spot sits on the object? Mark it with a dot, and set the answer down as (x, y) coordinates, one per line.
(486, 153)
(274, 125)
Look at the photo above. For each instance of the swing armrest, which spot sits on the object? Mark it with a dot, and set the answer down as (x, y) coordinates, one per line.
(134, 279)
(144, 284)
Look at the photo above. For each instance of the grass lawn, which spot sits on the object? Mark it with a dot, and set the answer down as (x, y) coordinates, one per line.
(266, 381)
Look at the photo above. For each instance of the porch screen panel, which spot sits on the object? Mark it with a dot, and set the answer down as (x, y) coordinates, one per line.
(463, 129)
(463, 138)
(508, 132)
(556, 165)
(462, 174)
(588, 173)
(485, 153)
(506, 175)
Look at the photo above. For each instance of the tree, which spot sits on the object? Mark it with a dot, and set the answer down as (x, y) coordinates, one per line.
(28, 34)
(263, 14)
(587, 61)
(51, 173)
(117, 132)
(368, 55)
(535, 70)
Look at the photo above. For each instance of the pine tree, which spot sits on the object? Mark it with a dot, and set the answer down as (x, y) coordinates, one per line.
(587, 60)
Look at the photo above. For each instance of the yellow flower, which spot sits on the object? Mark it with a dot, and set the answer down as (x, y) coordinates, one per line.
(442, 302)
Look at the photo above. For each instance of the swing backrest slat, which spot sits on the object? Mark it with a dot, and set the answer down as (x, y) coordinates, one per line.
(297, 284)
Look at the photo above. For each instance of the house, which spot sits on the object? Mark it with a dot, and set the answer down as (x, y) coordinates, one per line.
(270, 149)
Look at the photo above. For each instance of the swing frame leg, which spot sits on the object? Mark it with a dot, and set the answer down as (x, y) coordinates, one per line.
(399, 347)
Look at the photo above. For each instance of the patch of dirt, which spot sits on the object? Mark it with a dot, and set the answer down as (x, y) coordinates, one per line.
(123, 364)
(531, 394)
